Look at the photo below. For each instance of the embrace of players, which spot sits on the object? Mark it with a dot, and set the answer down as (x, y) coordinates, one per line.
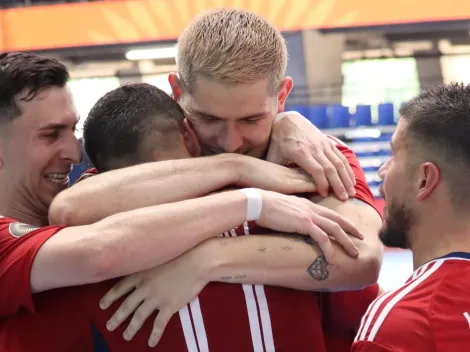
(191, 233)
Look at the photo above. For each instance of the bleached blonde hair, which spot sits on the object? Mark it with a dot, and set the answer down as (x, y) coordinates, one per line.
(232, 46)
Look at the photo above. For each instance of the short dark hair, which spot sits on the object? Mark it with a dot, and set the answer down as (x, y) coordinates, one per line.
(29, 73)
(118, 127)
(439, 130)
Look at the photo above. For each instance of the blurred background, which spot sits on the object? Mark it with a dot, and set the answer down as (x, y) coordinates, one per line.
(353, 62)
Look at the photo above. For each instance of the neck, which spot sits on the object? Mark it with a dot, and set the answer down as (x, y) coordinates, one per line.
(434, 239)
(13, 207)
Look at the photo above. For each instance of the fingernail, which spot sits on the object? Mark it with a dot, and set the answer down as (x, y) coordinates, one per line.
(109, 326)
(152, 343)
(344, 196)
(103, 305)
(352, 192)
(126, 336)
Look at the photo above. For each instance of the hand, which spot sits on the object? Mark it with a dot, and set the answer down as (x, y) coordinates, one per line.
(294, 214)
(265, 175)
(168, 288)
(295, 140)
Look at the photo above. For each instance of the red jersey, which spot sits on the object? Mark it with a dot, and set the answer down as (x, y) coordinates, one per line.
(431, 312)
(224, 317)
(342, 313)
(19, 244)
(269, 310)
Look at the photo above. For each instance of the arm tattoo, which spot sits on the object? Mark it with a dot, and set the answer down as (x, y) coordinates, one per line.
(318, 269)
(231, 278)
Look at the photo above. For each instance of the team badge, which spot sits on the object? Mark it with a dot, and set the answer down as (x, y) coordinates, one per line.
(18, 229)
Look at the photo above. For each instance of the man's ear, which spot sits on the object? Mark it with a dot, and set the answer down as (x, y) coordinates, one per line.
(428, 180)
(285, 89)
(176, 86)
(190, 138)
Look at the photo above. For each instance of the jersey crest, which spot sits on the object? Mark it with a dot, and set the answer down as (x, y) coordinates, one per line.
(19, 229)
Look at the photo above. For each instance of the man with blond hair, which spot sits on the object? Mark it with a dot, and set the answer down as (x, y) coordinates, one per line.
(231, 85)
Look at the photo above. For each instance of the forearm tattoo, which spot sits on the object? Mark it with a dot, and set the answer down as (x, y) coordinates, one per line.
(232, 278)
(318, 270)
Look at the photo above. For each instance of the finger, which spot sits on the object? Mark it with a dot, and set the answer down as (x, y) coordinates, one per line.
(335, 231)
(122, 288)
(129, 305)
(323, 241)
(307, 162)
(140, 316)
(331, 173)
(343, 174)
(159, 326)
(345, 161)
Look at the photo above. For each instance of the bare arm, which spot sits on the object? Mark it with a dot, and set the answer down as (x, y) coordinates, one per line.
(295, 261)
(277, 259)
(168, 181)
(133, 241)
(136, 240)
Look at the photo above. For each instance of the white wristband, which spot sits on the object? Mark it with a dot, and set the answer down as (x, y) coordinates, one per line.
(254, 204)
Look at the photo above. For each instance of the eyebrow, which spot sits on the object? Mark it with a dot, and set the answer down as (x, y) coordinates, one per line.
(56, 126)
(201, 113)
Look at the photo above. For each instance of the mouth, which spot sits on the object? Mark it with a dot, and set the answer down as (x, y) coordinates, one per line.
(58, 178)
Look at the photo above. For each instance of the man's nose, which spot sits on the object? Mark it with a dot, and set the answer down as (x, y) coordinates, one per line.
(232, 140)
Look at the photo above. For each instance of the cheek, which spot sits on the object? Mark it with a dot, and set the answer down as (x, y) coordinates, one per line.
(207, 132)
(255, 133)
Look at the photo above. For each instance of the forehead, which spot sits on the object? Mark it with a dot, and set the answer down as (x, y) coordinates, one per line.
(398, 138)
(229, 101)
(53, 105)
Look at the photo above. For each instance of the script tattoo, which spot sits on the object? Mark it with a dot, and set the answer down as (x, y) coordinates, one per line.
(262, 249)
(232, 278)
(318, 270)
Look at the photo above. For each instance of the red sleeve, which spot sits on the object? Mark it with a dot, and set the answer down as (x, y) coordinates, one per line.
(86, 174)
(346, 309)
(450, 312)
(19, 244)
(367, 346)
(362, 189)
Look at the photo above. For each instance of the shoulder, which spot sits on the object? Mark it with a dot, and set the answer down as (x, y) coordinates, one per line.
(393, 314)
(344, 149)
(11, 228)
(449, 311)
(19, 243)
(21, 240)
(363, 192)
(14, 229)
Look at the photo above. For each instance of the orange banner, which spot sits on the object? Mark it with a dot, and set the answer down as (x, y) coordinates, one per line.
(129, 21)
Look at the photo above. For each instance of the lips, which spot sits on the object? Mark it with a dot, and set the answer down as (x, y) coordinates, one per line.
(57, 178)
